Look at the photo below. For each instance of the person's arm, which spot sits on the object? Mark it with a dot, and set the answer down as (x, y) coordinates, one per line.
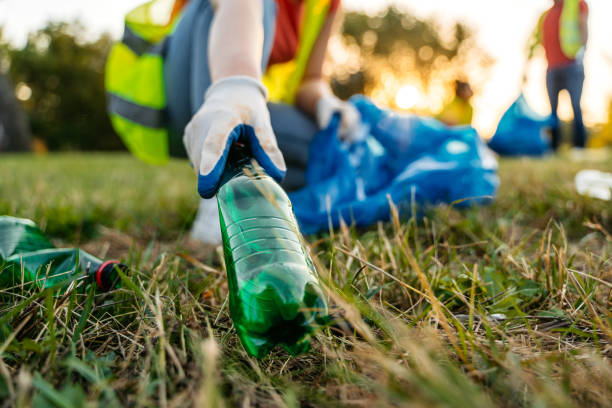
(235, 103)
(315, 96)
(236, 39)
(314, 85)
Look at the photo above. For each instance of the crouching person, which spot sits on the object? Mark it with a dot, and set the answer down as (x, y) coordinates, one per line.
(182, 86)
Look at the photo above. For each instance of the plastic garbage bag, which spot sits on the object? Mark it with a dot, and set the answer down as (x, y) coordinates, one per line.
(402, 159)
(522, 132)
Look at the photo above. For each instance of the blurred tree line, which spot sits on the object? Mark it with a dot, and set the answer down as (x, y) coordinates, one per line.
(59, 75)
(395, 46)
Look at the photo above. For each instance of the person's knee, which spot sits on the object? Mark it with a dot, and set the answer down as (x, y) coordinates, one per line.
(290, 121)
(294, 129)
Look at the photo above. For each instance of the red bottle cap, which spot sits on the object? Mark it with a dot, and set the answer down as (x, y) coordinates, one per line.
(106, 267)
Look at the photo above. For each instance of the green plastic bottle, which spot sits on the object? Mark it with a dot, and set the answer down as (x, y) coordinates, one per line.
(18, 235)
(275, 295)
(28, 257)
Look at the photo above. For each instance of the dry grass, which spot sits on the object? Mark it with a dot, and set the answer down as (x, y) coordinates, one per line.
(508, 305)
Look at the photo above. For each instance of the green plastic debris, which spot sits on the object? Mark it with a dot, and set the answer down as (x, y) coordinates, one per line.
(27, 257)
(275, 295)
(18, 235)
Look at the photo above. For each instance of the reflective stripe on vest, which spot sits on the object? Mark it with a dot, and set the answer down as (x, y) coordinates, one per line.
(135, 84)
(283, 80)
(139, 45)
(134, 112)
(570, 34)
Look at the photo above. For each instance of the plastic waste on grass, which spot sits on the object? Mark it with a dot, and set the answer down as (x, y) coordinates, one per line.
(28, 257)
(522, 132)
(595, 184)
(18, 235)
(275, 295)
(404, 159)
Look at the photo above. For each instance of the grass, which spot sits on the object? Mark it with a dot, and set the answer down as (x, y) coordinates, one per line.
(507, 305)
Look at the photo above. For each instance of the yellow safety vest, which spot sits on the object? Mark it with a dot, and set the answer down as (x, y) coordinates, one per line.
(569, 29)
(135, 76)
(457, 112)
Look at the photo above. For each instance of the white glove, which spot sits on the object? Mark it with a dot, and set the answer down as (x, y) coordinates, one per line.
(328, 105)
(234, 109)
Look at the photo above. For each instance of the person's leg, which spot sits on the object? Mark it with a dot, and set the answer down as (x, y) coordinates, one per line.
(294, 130)
(553, 88)
(574, 84)
(186, 70)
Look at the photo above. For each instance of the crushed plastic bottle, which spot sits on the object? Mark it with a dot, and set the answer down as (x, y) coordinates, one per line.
(28, 257)
(18, 235)
(594, 184)
(275, 295)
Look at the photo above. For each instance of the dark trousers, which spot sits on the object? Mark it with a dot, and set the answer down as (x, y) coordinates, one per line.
(571, 78)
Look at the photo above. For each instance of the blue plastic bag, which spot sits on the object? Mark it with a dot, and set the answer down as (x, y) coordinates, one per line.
(402, 159)
(522, 132)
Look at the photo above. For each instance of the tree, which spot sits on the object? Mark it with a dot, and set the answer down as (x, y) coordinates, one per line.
(395, 45)
(64, 75)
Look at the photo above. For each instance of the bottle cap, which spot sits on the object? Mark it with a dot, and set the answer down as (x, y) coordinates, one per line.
(106, 275)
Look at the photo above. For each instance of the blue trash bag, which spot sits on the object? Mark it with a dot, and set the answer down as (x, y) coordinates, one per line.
(522, 132)
(401, 159)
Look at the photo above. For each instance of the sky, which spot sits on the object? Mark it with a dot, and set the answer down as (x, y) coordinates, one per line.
(502, 28)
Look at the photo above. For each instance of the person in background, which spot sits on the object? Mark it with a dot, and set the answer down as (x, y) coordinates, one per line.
(563, 31)
(459, 111)
(252, 68)
(14, 129)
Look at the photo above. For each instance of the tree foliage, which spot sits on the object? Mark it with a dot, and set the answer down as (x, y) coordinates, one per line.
(397, 42)
(65, 72)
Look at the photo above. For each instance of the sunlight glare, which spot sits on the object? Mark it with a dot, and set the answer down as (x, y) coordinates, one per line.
(407, 97)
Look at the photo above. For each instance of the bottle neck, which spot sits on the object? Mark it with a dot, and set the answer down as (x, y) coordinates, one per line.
(239, 158)
(105, 276)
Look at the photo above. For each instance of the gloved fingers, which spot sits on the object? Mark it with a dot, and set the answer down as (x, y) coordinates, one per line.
(215, 144)
(326, 107)
(350, 121)
(214, 154)
(323, 119)
(193, 145)
(265, 148)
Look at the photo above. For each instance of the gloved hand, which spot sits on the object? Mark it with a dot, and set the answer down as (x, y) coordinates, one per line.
(328, 105)
(234, 109)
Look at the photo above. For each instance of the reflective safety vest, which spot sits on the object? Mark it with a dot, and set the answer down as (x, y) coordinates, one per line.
(283, 80)
(135, 74)
(569, 29)
(458, 112)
